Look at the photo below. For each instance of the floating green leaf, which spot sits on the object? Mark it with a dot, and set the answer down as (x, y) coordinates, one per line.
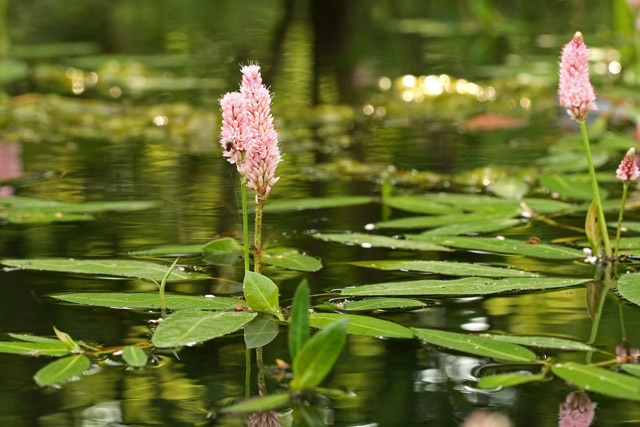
(260, 331)
(542, 342)
(147, 300)
(504, 246)
(373, 241)
(26, 216)
(316, 358)
(571, 161)
(473, 344)
(262, 294)
(67, 340)
(34, 338)
(440, 220)
(35, 348)
(629, 287)
(362, 325)
(299, 320)
(258, 404)
(107, 267)
(508, 380)
(379, 304)
(290, 259)
(631, 369)
(628, 225)
(475, 202)
(570, 186)
(188, 327)
(419, 205)
(134, 356)
(510, 188)
(445, 267)
(51, 206)
(600, 380)
(170, 250)
(62, 370)
(486, 226)
(315, 203)
(461, 287)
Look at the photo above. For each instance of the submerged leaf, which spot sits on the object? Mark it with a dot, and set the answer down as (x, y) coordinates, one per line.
(599, 380)
(147, 300)
(445, 267)
(62, 370)
(373, 241)
(188, 327)
(505, 246)
(362, 325)
(107, 267)
(460, 287)
(477, 345)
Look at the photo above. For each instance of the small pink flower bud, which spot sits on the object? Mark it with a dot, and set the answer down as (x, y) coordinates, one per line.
(577, 411)
(626, 354)
(628, 170)
(574, 90)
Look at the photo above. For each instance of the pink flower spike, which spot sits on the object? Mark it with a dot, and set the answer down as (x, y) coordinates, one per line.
(576, 411)
(575, 91)
(233, 137)
(628, 170)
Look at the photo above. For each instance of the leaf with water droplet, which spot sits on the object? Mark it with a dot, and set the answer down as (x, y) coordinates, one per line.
(599, 380)
(445, 267)
(362, 325)
(374, 241)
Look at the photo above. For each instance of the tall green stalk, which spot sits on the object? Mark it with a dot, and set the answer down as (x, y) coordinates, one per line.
(163, 301)
(257, 246)
(245, 223)
(624, 201)
(596, 192)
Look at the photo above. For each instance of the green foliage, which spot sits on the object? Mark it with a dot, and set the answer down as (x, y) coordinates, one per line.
(142, 300)
(62, 370)
(445, 267)
(134, 356)
(315, 203)
(262, 294)
(373, 241)
(290, 259)
(508, 380)
(258, 404)
(361, 325)
(299, 320)
(260, 331)
(380, 304)
(599, 380)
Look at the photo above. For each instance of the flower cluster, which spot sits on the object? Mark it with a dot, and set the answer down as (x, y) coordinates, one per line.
(576, 411)
(628, 170)
(575, 91)
(248, 136)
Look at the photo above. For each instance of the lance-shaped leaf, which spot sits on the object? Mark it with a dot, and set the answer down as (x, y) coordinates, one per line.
(629, 287)
(188, 327)
(62, 370)
(462, 287)
(510, 188)
(134, 356)
(135, 300)
(569, 186)
(475, 202)
(106, 267)
(290, 259)
(260, 331)
(362, 325)
(477, 345)
(373, 241)
(440, 220)
(379, 304)
(315, 203)
(34, 338)
(599, 380)
(259, 404)
(67, 340)
(299, 320)
(445, 267)
(542, 342)
(487, 226)
(504, 246)
(631, 369)
(419, 205)
(262, 294)
(508, 380)
(316, 358)
(35, 348)
(592, 228)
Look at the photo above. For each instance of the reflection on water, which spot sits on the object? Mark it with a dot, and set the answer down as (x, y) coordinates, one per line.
(10, 165)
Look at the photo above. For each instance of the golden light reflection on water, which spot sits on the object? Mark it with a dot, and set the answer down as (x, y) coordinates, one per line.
(412, 88)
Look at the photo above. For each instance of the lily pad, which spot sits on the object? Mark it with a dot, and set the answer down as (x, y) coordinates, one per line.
(445, 267)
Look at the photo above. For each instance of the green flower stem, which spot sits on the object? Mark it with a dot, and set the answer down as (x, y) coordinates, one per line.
(596, 192)
(262, 385)
(245, 224)
(163, 301)
(257, 246)
(247, 373)
(623, 327)
(624, 201)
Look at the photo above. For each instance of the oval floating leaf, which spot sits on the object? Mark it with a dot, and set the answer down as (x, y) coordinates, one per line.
(475, 202)
(134, 356)
(259, 404)
(572, 161)
(510, 188)
(419, 205)
(260, 331)
(444, 267)
(440, 220)
(35, 348)
(316, 358)
(486, 226)
(631, 369)
(599, 380)
(262, 294)
(170, 250)
(106, 267)
(315, 203)
(299, 320)
(189, 327)
(542, 342)
(362, 325)
(505, 246)
(373, 241)
(62, 370)
(570, 186)
(462, 287)
(380, 304)
(146, 300)
(27, 216)
(508, 380)
(290, 259)
(629, 287)
(473, 344)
